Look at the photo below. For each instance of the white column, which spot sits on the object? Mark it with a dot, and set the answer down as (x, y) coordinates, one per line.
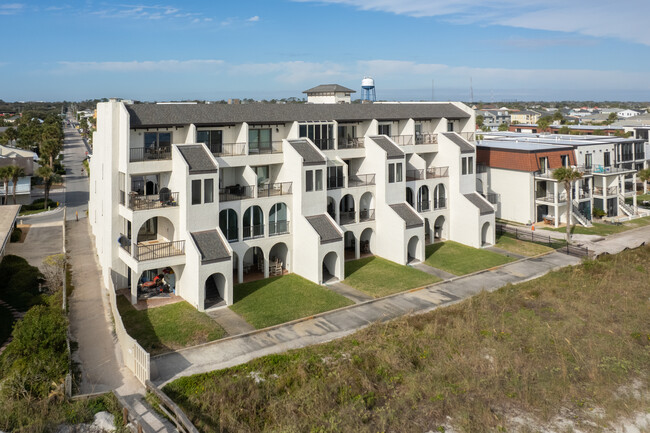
(357, 247)
(134, 287)
(240, 269)
(636, 210)
(266, 267)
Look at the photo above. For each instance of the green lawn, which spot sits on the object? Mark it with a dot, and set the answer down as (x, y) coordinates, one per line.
(379, 277)
(510, 243)
(604, 229)
(6, 323)
(169, 327)
(459, 259)
(281, 299)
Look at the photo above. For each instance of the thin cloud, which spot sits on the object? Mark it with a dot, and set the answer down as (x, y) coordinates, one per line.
(155, 12)
(598, 18)
(11, 8)
(140, 66)
(253, 19)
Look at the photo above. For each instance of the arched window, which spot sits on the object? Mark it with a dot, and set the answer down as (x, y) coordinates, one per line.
(253, 222)
(439, 199)
(228, 224)
(278, 219)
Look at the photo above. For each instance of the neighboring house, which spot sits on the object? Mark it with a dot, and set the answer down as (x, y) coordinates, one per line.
(525, 116)
(8, 215)
(21, 158)
(329, 94)
(609, 165)
(222, 193)
(624, 114)
(594, 118)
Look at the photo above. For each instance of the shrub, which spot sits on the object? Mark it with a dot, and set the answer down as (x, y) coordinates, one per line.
(20, 285)
(598, 213)
(38, 204)
(16, 234)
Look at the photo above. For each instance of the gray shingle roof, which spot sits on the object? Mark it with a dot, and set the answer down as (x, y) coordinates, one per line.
(329, 88)
(483, 205)
(406, 212)
(309, 152)
(198, 159)
(152, 115)
(465, 147)
(210, 246)
(325, 229)
(392, 151)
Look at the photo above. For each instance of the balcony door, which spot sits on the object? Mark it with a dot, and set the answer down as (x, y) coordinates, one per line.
(259, 141)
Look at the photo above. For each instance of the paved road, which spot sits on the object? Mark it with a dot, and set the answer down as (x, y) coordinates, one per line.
(339, 323)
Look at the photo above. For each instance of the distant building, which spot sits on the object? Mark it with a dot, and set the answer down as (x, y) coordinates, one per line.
(525, 116)
(329, 94)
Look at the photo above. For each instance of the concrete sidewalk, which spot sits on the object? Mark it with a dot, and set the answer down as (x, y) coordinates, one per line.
(339, 323)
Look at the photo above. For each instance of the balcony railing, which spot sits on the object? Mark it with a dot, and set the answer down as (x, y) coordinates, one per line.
(324, 143)
(366, 215)
(551, 198)
(150, 153)
(402, 140)
(236, 192)
(231, 234)
(424, 206)
(265, 148)
(436, 172)
(350, 143)
(612, 190)
(347, 217)
(147, 251)
(273, 189)
(361, 180)
(155, 201)
(440, 203)
(278, 228)
(228, 149)
(414, 174)
(252, 232)
(335, 182)
(426, 139)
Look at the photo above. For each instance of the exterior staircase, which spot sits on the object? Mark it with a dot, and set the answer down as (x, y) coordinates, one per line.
(582, 219)
(626, 208)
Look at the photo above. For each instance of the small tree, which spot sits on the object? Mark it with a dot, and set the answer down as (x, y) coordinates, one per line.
(613, 117)
(5, 176)
(53, 269)
(503, 127)
(479, 121)
(47, 174)
(16, 172)
(557, 116)
(644, 176)
(567, 175)
(543, 123)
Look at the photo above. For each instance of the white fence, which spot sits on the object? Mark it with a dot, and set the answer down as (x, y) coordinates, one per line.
(134, 356)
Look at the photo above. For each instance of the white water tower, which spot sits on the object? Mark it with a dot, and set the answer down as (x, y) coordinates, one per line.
(368, 89)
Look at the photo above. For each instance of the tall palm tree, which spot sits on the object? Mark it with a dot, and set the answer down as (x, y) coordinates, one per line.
(644, 176)
(5, 176)
(567, 175)
(16, 172)
(47, 174)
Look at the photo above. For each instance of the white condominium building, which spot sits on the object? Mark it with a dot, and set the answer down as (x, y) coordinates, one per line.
(215, 194)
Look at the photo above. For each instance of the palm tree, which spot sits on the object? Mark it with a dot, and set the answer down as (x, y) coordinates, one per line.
(5, 176)
(644, 176)
(16, 172)
(567, 175)
(47, 174)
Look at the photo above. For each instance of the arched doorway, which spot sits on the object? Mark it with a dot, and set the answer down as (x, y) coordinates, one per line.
(486, 234)
(253, 223)
(439, 198)
(330, 266)
(349, 243)
(278, 219)
(427, 231)
(366, 241)
(253, 262)
(235, 265)
(346, 208)
(228, 225)
(367, 207)
(479, 185)
(409, 197)
(413, 247)
(424, 204)
(439, 231)
(215, 290)
(156, 229)
(278, 259)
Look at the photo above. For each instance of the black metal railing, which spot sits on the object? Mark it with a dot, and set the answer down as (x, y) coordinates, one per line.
(347, 217)
(252, 232)
(265, 148)
(273, 189)
(324, 143)
(351, 143)
(424, 206)
(414, 174)
(440, 203)
(236, 192)
(335, 182)
(436, 172)
(551, 198)
(426, 139)
(150, 153)
(228, 149)
(278, 228)
(361, 180)
(145, 251)
(366, 215)
(153, 201)
(402, 140)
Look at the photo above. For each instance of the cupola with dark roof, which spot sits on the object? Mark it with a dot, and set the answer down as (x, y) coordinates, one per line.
(328, 94)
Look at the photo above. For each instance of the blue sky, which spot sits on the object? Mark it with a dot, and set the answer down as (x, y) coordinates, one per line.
(509, 49)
